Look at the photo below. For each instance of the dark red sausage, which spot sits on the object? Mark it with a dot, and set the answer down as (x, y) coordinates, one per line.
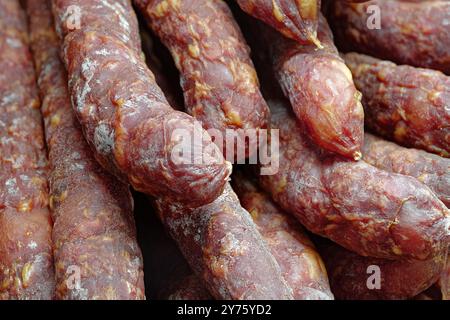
(321, 90)
(367, 210)
(411, 32)
(400, 279)
(405, 104)
(295, 19)
(430, 169)
(300, 263)
(26, 259)
(126, 119)
(301, 266)
(94, 227)
(224, 249)
(219, 82)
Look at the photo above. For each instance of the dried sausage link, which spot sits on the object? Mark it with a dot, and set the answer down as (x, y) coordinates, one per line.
(295, 19)
(224, 249)
(404, 104)
(26, 259)
(300, 264)
(367, 210)
(353, 277)
(92, 211)
(219, 82)
(430, 169)
(321, 90)
(124, 115)
(302, 267)
(410, 32)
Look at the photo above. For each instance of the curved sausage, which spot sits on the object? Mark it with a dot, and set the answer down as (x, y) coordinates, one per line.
(367, 210)
(126, 119)
(26, 259)
(321, 90)
(94, 232)
(219, 82)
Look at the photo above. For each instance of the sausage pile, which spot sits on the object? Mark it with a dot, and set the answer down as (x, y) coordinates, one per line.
(285, 149)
